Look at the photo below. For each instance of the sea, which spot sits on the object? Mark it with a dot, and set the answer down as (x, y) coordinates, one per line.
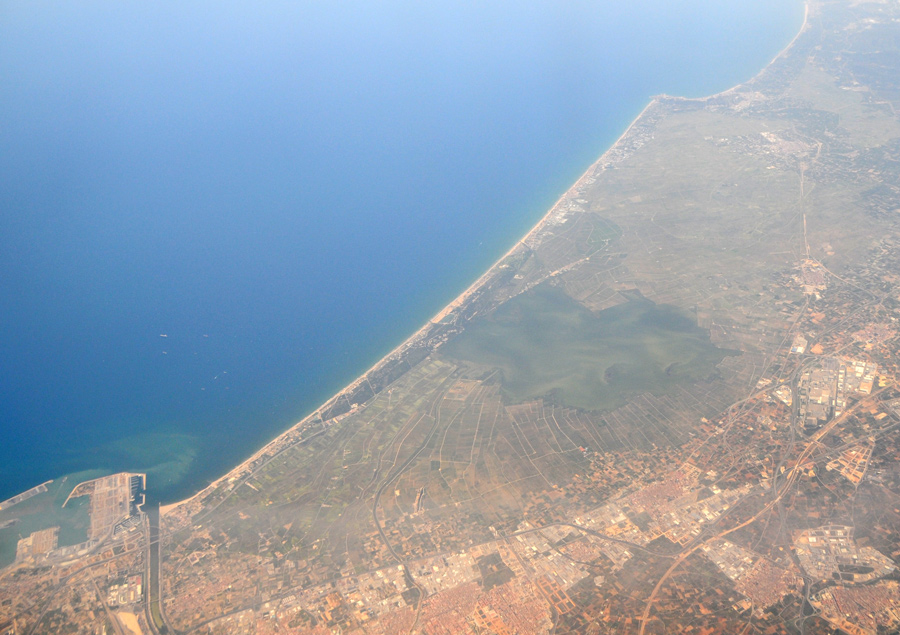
(216, 214)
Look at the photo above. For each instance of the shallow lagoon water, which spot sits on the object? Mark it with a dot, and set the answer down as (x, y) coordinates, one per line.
(548, 345)
(285, 192)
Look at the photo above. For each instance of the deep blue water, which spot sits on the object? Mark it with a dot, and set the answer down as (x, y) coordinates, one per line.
(286, 190)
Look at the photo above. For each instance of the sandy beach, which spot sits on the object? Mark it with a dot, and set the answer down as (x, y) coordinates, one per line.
(456, 303)
(461, 299)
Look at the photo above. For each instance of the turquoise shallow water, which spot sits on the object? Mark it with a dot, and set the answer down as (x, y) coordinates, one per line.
(214, 215)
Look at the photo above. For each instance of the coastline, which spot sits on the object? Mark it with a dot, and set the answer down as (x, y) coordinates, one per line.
(454, 304)
(241, 470)
(803, 26)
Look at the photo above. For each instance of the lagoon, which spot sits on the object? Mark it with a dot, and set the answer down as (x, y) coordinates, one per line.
(547, 345)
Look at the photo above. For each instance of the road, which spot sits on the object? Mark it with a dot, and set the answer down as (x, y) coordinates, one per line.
(788, 484)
